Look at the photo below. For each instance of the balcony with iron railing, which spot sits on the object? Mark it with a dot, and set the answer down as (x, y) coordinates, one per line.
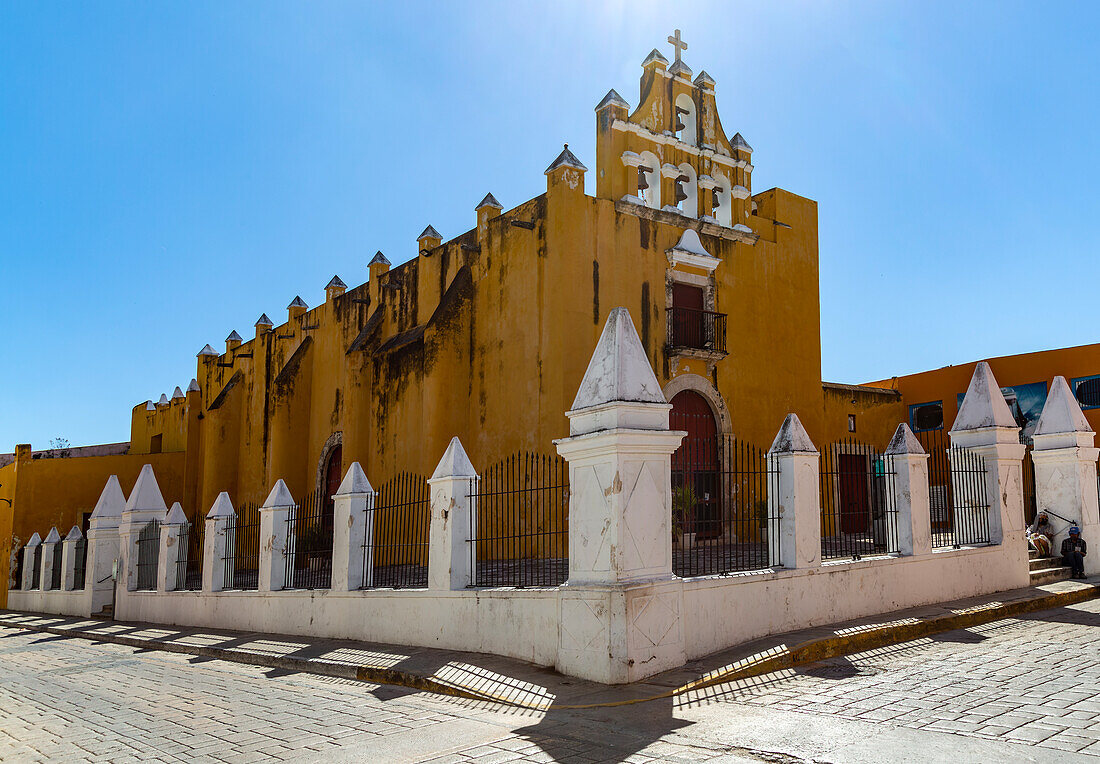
(696, 332)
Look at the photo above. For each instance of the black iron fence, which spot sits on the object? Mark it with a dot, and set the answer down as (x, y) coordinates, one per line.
(395, 552)
(36, 573)
(1029, 486)
(17, 575)
(242, 549)
(55, 568)
(521, 533)
(148, 549)
(959, 511)
(190, 542)
(696, 329)
(722, 519)
(80, 564)
(858, 513)
(309, 543)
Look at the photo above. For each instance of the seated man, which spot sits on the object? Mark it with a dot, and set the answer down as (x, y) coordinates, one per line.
(1074, 550)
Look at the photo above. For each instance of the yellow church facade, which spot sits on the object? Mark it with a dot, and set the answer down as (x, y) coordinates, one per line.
(486, 335)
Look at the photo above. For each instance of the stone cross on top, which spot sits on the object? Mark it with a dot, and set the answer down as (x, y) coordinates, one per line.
(677, 43)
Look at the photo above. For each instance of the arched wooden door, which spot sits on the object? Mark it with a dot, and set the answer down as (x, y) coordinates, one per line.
(334, 470)
(696, 464)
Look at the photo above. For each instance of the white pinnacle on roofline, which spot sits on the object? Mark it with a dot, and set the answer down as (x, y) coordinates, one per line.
(233, 337)
(379, 259)
(263, 320)
(207, 350)
(297, 302)
(194, 386)
(429, 233)
(177, 393)
(336, 283)
(619, 369)
(489, 201)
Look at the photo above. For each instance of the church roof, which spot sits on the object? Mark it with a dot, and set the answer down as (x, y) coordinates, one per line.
(429, 233)
(489, 201)
(655, 55)
(565, 159)
(738, 142)
(233, 337)
(612, 99)
(336, 283)
(297, 302)
(207, 350)
(263, 320)
(379, 259)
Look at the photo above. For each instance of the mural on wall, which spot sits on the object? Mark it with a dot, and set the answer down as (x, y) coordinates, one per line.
(1026, 404)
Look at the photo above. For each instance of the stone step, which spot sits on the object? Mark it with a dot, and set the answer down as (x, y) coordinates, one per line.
(1039, 563)
(1050, 575)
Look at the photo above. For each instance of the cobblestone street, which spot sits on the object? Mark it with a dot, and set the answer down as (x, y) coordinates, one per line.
(1017, 690)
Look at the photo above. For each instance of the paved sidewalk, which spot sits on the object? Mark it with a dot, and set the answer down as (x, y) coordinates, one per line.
(513, 682)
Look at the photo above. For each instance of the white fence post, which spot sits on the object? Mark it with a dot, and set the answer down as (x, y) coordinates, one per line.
(217, 572)
(622, 609)
(985, 426)
(68, 560)
(171, 551)
(33, 543)
(144, 506)
(274, 519)
(50, 546)
(794, 509)
(352, 531)
(103, 545)
(909, 463)
(453, 521)
(1065, 470)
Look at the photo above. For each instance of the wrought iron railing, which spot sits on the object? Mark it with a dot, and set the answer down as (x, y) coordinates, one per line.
(190, 540)
(309, 543)
(521, 533)
(242, 549)
(858, 513)
(36, 573)
(80, 564)
(722, 520)
(17, 574)
(148, 549)
(395, 553)
(958, 507)
(696, 329)
(55, 568)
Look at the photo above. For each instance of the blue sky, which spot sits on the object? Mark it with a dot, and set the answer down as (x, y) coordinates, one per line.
(168, 171)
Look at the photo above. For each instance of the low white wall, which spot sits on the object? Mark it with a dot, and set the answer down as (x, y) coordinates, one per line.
(55, 601)
(518, 623)
(724, 611)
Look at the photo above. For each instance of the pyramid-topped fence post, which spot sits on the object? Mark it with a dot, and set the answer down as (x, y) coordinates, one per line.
(794, 498)
(217, 566)
(275, 519)
(622, 607)
(51, 546)
(173, 548)
(911, 494)
(145, 505)
(70, 547)
(352, 531)
(104, 545)
(29, 568)
(453, 525)
(1065, 470)
(985, 426)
